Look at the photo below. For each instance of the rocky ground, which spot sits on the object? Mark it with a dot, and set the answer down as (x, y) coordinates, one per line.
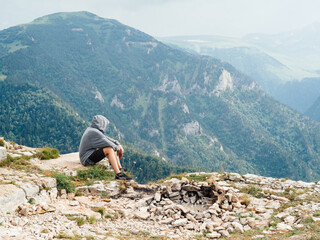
(36, 202)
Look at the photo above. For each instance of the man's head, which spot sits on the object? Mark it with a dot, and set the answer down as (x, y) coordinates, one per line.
(100, 122)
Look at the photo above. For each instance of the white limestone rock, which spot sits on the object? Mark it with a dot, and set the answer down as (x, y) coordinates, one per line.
(11, 197)
(3, 154)
(30, 189)
(180, 222)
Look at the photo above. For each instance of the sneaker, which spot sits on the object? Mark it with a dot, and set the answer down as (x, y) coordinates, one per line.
(122, 176)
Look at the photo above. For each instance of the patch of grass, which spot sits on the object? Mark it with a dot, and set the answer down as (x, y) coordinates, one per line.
(63, 236)
(19, 163)
(308, 220)
(199, 178)
(45, 231)
(92, 220)
(274, 220)
(96, 172)
(178, 176)
(47, 153)
(64, 182)
(80, 221)
(244, 200)
(1, 143)
(143, 233)
(112, 216)
(316, 213)
(252, 190)
(99, 210)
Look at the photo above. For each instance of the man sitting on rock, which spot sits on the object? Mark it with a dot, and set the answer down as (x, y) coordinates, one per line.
(95, 146)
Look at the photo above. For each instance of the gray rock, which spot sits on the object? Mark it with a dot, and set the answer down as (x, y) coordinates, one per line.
(191, 188)
(180, 222)
(213, 235)
(166, 221)
(190, 226)
(48, 182)
(11, 197)
(224, 233)
(176, 187)
(284, 227)
(3, 154)
(141, 215)
(238, 227)
(74, 203)
(30, 189)
(157, 196)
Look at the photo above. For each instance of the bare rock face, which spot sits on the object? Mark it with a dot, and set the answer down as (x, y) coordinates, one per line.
(3, 154)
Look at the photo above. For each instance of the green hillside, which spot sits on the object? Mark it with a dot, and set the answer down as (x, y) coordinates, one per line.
(35, 117)
(191, 110)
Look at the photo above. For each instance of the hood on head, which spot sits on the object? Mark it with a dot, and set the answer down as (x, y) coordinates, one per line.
(100, 122)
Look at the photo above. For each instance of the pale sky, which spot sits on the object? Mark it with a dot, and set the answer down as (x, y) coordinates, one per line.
(161, 18)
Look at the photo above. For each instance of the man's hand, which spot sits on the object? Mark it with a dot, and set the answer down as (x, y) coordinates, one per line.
(120, 153)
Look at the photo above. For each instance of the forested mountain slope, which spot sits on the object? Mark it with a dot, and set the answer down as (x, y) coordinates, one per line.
(190, 110)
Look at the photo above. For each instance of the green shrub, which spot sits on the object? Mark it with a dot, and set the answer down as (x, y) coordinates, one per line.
(64, 182)
(47, 153)
(1, 143)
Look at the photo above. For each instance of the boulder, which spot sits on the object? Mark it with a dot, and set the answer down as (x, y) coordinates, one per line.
(3, 154)
(30, 190)
(11, 197)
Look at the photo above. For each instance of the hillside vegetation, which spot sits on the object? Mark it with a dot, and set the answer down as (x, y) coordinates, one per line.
(190, 110)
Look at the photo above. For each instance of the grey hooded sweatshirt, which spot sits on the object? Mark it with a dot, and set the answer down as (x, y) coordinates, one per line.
(94, 138)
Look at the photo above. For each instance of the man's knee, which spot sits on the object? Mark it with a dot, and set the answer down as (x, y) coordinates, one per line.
(108, 150)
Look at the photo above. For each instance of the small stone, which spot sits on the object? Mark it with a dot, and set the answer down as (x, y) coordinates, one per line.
(184, 180)
(238, 227)
(24, 211)
(74, 203)
(224, 233)
(284, 227)
(176, 187)
(190, 226)
(191, 218)
(290, 220)
(247, 228)
(213, 235)
(157, 196)
(141, 215)
(180, 222)
(166, 221)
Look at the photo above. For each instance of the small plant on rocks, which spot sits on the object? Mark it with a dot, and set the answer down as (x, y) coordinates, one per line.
(64, 182)
(80, 221)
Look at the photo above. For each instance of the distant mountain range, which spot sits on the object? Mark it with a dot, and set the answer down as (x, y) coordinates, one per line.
(286, 65)
(185, 108)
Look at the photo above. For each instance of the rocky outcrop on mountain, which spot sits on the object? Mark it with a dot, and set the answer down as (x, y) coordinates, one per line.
(34, 205)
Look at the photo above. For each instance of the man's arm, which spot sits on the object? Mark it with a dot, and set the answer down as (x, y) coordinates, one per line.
(113, 140)
(102, 141)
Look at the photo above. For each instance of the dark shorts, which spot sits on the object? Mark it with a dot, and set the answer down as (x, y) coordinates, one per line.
(97, 155)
